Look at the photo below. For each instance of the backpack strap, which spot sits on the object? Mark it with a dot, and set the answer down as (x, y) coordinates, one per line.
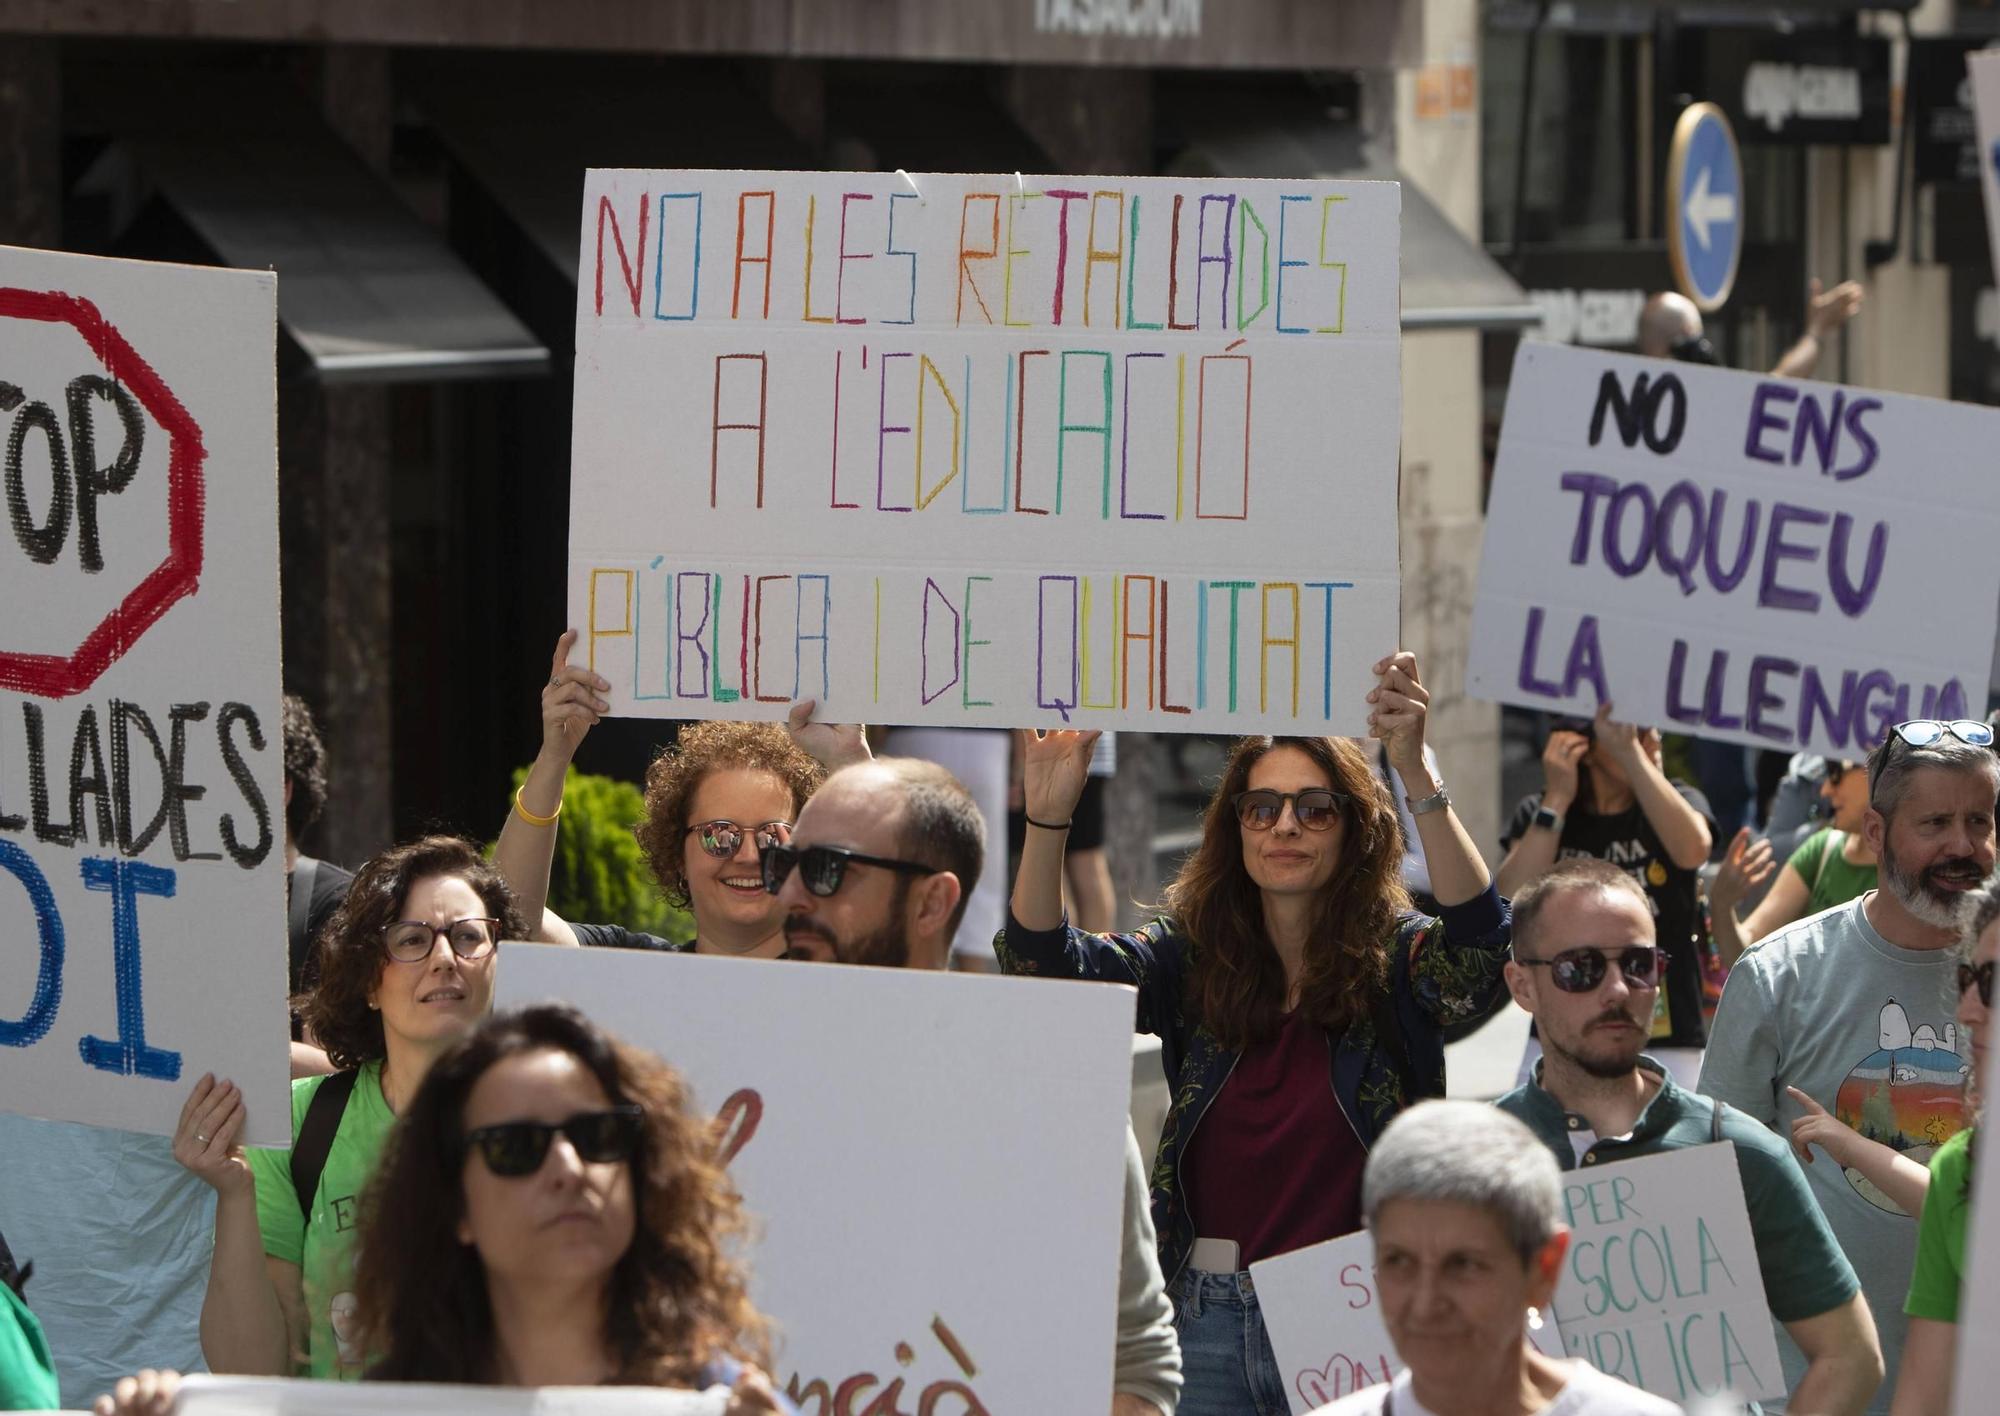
(316, 1133)
(1836, 844)
(298, 915)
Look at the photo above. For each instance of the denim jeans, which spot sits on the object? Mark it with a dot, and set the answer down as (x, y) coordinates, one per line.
(1227, 1366)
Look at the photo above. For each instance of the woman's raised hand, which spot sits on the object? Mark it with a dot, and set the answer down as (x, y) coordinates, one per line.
(149, 1393)
(1053, 768)
(570, 705)
(1745, 865)
(1398, 705)
(752, 1396)
(205, 1138)
(832, 745)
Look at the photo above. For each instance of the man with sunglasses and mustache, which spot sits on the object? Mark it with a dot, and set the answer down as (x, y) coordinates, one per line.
(1850, 1008)
(877, 871)
(1587, 966)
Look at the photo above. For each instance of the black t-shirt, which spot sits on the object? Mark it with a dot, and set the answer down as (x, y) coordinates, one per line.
(617, 936)
(329, 888)
(1627, 839)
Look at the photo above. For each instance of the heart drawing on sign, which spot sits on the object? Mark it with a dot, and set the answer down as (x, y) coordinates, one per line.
(1341, 1376)
(737, 1122)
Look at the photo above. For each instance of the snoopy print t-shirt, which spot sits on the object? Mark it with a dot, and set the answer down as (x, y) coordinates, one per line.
(1866, 1030)
(323, 1246)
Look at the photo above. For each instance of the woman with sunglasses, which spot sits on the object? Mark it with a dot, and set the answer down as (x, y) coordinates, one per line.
(1930, 1351)
(405, 972)
(549, 1211)
(714, 799)
(1298, 999)
(1833, 866)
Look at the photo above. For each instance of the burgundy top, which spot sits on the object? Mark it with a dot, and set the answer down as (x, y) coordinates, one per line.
(1274, 1162)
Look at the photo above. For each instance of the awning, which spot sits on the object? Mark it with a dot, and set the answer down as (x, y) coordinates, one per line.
(1449, 282)
(1643, 16)
(367, 292)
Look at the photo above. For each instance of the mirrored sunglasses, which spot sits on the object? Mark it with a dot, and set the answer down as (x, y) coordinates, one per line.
(1315, 809)
(512, 1149)
(1582, 970)
(722, 838)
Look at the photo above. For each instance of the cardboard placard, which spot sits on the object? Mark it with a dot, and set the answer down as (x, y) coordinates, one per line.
(1744, 558)
(1321, 1309)
(268, 1396)
(987, 450)
(141, 744)
(878, 1119)
(1977, 1373)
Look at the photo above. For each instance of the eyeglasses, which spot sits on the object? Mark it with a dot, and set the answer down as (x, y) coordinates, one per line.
(1315, 808)
(410, 941)
(516, 1148)
(1835, 771)
(1582, 970)
(822, 868)
(1923, 732)
(721, 838)
(1980, 974)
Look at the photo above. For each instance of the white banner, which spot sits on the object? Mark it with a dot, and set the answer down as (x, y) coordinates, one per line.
(1985, 69)
(1324, 1315)
(265, 1396)
(1767, 561)
(141, 747)
(987, 451)
(935, 1162)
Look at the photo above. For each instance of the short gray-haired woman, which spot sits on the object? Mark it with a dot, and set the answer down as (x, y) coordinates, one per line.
(1466, 1209)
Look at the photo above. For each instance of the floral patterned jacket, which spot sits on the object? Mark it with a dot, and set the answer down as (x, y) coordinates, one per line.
(1443, 971)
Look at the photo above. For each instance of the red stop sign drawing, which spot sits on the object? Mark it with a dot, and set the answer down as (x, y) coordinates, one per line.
(56, 676)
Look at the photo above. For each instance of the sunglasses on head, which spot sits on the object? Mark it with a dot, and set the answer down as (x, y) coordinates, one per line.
(1924, 732)
(512, 1149)
(1582, 970)
(1316, 808)
(1980, 975)
(722, 838)
(822, 868)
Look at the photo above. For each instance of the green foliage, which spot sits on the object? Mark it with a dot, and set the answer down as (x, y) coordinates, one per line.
(599, 875)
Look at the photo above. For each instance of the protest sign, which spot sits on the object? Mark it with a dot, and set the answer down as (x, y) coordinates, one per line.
(1985, 70)
(1744, 558)
(987, 451)
(1325, 1319)
(267, 1396)
(876, 1120)
(141, 747)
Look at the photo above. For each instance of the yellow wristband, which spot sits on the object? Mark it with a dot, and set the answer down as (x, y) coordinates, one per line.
(529, 816)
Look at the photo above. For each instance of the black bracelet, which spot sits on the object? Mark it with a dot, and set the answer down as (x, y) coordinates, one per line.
(1045, 825)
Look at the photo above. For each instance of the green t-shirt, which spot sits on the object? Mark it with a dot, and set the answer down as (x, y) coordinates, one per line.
(27, 1372)
(323, 1247)
(1941, 1234)
(1831, 878)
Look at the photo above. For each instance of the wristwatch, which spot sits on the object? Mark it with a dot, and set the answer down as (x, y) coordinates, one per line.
(1549, 819)
(1436, 801)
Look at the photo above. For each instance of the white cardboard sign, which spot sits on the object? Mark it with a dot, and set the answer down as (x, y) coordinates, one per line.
(879, 1121)
(987, 450)
(1752, 559)
(1322, 1311)
(1977, 1374)
(267, 1396)
(1985, 69)
(141, 747)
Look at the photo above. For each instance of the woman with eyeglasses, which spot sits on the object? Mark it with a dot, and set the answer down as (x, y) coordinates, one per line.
(405, 972)
(549, 1211)
(1298, 999)
(714, 799)
(1834, 865)
(1930, 1351)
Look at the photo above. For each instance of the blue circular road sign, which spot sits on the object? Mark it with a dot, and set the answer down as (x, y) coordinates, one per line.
(1704, 206)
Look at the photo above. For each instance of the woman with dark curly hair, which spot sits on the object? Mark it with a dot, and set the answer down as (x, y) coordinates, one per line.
(405, 971)
(549, 1211)
(1298, 998)
(714, 798)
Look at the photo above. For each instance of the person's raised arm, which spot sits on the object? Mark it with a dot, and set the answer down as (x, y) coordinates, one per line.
(244, 1329)
(1745, 866)
(527, 846)
(832, 745)
(1893, 1173)
(1682, 830)
(1534, 850)
(1399, 705)
(1826, 312)
(1053, 768)
(1843, 1360)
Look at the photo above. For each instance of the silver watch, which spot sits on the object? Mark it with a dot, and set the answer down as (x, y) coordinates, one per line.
(1436, 801)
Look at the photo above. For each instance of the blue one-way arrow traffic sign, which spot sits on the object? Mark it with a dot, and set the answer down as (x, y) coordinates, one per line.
(1704, 206)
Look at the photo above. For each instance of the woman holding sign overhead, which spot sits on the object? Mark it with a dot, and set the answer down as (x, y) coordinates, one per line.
(405, 971)
(1298, 998)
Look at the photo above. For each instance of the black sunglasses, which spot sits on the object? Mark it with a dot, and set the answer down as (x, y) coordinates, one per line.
(1581, 970)
(1980, 974)
(822, 868)
(1315, 808)
(512, 1149)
